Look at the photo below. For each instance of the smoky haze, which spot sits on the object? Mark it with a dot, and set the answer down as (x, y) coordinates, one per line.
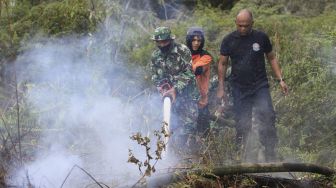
(87, 105)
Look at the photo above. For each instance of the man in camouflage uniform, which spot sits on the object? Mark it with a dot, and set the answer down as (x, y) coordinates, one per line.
(172, 61)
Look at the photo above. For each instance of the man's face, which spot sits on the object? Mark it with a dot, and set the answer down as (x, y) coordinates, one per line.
(244, 26)
(196, 43)
(162, 43)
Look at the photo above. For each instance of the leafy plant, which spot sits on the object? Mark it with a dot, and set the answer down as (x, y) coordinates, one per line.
(147, 167)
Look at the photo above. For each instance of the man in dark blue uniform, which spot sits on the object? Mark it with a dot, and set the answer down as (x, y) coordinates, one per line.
(246, 49)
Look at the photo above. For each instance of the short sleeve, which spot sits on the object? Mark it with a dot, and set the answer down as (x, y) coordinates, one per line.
(225, 47)
(267, 44)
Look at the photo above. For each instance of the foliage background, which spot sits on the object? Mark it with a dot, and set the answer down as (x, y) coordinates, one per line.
(303, 34)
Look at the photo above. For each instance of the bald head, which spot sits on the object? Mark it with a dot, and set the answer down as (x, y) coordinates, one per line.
(244, 22)
(245, 14)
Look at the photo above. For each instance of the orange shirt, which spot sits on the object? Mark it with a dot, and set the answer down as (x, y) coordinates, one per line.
(203, 79)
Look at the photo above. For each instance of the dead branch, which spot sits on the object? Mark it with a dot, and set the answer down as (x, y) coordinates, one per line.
(145, 142)
(121, 34)
(87, 173)
(8, 132)
(18, 117)
(242, 168)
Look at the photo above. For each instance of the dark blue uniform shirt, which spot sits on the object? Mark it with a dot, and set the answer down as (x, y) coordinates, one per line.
(247, 58)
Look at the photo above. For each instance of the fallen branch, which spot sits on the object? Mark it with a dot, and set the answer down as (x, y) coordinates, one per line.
(242, 168)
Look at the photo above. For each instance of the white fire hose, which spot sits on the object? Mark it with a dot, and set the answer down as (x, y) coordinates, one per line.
(166, 118)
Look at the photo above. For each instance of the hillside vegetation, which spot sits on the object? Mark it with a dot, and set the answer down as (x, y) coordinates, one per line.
(302, 32)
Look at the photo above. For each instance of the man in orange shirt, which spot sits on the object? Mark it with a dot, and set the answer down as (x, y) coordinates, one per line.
(201, 60)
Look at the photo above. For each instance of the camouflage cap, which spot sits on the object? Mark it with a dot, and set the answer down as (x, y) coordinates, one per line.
(162, 33)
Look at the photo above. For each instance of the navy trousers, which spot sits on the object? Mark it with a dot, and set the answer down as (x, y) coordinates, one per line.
(258, 100)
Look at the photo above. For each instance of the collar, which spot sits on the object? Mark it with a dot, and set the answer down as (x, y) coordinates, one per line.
(237, 35)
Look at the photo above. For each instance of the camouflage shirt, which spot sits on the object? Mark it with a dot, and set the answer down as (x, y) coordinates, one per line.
(174, 66)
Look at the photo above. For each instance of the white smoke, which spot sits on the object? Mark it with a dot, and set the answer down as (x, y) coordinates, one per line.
(87, 103)
(85, 106)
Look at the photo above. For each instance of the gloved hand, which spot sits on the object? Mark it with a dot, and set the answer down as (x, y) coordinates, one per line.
(198, 70)
(170, 93)
(163, 85)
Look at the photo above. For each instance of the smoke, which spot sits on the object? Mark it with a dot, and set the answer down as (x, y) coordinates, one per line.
(87, 104)
(49, 170)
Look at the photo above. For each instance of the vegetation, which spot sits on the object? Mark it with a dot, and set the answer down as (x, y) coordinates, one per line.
(303, 34)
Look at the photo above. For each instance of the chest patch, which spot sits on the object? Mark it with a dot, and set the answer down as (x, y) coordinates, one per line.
(255, 47)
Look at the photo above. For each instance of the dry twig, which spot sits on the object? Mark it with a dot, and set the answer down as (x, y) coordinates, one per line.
(87, 173)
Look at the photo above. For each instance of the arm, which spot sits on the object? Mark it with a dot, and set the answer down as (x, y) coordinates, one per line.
(180, 81)
(277, 71)
(204, 60)
(184, 76)
(222, 67)
(155, 78)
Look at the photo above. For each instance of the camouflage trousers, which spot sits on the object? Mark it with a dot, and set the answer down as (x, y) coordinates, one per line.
(190, 123)
(184, 115)
(183, 121)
